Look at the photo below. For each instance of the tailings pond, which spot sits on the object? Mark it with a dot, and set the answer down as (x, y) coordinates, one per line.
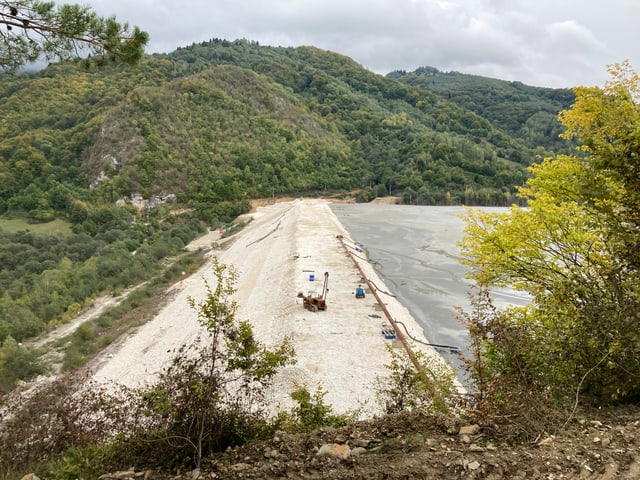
(415, 249)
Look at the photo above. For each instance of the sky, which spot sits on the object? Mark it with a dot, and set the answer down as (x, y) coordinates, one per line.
(550, 43)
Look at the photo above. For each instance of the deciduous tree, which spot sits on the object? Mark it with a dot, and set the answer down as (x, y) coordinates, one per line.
(574, 250)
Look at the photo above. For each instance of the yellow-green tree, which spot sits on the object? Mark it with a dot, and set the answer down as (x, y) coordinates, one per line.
(607, 122)
(574, 249)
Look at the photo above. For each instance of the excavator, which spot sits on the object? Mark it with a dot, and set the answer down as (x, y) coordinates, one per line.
(315, 303)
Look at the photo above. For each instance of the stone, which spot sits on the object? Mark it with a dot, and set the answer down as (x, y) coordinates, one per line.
(268, 453)
(361, 442)
(476, 448)
(122, 475)
(334, 450)
(586, 470)
(545, 441)
(356, 452)
(469, 430)
(239, 467)
(474, 465)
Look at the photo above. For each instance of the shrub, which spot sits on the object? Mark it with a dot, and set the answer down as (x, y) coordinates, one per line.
(17, 363)
(211, 396)
(61, 417)
(312, 413)
(508, 389)
(429, 388)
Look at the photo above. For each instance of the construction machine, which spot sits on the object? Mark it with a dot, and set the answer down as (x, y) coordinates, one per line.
(315, 303)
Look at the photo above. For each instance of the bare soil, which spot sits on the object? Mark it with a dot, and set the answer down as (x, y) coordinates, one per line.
(418, 446)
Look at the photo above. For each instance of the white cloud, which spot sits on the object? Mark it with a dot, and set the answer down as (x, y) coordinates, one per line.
(545, 42)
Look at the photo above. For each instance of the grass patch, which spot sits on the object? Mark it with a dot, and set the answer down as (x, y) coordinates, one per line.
(105, 341)
(13, 225)
(235, 228)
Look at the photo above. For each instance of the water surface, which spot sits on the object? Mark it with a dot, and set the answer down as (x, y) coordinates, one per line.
(417, 255)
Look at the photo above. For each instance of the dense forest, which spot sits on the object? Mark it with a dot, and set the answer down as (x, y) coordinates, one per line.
(211, 126)
(527, 113)
(220, 122)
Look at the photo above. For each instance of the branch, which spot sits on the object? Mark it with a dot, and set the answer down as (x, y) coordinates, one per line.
(575, 405)
(64, 32)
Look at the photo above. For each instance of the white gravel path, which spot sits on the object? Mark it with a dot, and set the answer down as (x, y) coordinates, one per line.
(340, 349)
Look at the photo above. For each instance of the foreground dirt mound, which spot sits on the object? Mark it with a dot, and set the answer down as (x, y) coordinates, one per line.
(415, 446)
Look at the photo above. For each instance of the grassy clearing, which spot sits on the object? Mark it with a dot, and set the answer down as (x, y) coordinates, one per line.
(13, 225)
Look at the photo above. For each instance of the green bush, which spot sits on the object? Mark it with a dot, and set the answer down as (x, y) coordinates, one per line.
(18, 321)
(17, 363)
(428, 387)
(312, 412)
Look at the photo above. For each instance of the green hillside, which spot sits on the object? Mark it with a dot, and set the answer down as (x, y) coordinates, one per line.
(220, 122)
(526, 113)
(209, 127)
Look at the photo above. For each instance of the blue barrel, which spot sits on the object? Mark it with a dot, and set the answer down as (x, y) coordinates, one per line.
(312, 277)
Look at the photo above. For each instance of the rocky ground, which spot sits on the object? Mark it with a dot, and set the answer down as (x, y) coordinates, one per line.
(416, 446)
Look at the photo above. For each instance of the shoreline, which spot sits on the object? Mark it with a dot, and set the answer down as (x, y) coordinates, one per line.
(341, 350)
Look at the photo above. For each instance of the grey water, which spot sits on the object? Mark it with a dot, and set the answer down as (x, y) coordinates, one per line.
(416, 253)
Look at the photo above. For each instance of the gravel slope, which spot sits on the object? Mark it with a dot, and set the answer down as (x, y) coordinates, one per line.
(341, 349)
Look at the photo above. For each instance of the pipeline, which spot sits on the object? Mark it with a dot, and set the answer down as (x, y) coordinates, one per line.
(265, 236)
(438, 400)
(439, 348)
(374, 290)
(275, 229)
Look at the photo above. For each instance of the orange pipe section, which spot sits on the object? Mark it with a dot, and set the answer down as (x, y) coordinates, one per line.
(399, 333)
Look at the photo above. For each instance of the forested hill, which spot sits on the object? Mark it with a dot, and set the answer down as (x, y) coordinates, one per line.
(219, 122)
(211, 126)
(527, 113)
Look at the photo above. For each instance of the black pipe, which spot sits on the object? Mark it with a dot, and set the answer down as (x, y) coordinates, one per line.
(448, 347)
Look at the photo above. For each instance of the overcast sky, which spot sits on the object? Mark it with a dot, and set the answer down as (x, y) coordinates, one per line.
(554, 43)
